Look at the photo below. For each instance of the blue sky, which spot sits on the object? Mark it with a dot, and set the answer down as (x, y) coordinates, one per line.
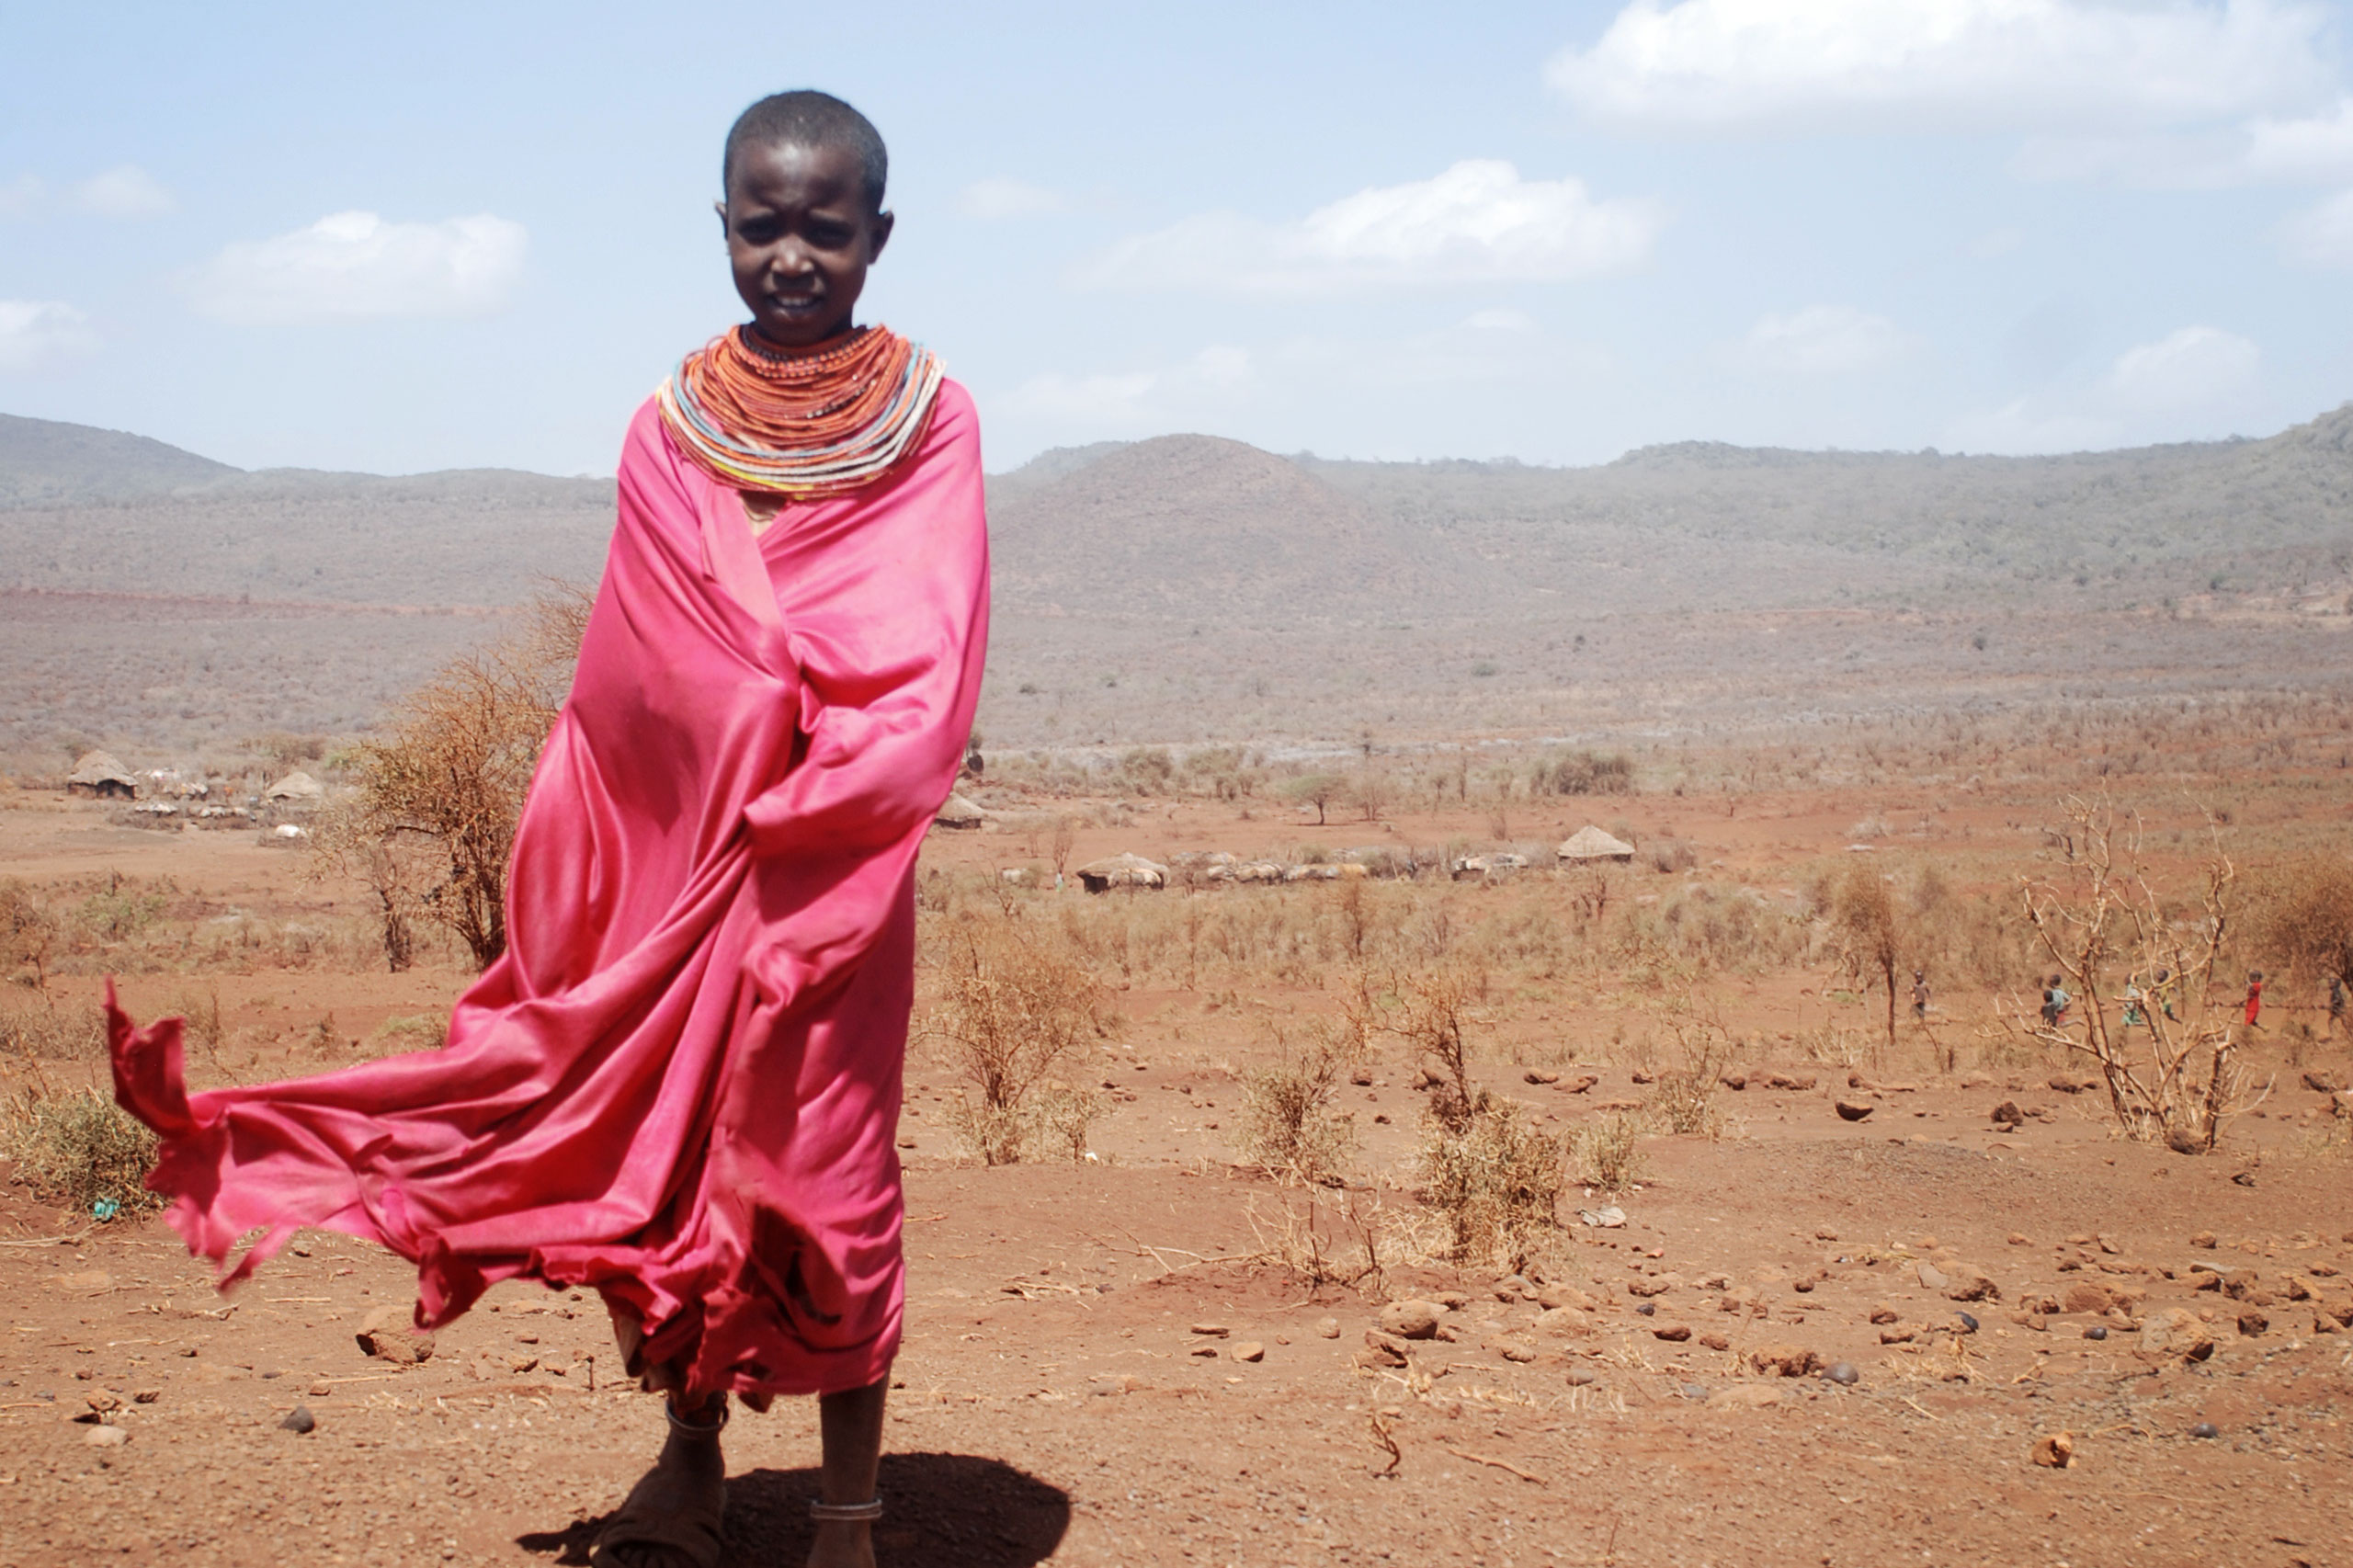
(415, 237)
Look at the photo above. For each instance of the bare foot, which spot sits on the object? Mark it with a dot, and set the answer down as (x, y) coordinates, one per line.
(671, 1519)
(842, 1543)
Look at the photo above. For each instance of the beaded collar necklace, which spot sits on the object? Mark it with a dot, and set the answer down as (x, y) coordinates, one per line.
(805, 426)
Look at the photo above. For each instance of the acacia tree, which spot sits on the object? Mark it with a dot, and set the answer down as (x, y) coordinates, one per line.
(1317, 789)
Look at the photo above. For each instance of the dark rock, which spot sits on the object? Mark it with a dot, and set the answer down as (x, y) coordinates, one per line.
(1842, 1373)
(1968, 1323)
(2204, 1429)
(2096, 1331)
(1854, 1110)
(300, 1419)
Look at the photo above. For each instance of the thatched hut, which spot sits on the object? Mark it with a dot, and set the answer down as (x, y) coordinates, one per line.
(101, 777)
(1589, 845)
(1122, 872)
(959, 813)
(297, 789)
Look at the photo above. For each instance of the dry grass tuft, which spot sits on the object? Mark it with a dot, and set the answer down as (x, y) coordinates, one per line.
(1290, 1126)
(1605, 1153)
(1496, 1177)
(1014, 1005)
(77, 1149)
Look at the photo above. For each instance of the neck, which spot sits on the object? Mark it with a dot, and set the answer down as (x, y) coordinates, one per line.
(761, 343)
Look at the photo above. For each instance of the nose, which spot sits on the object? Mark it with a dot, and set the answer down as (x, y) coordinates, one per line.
(792, 259)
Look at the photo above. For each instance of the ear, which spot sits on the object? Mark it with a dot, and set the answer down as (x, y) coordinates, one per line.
(880, 229)
(720, 207)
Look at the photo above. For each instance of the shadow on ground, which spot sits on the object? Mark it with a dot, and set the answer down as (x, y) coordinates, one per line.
(939, 1508)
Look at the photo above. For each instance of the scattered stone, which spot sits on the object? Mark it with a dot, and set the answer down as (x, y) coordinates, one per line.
(2242, 1178)
(2111, 1246)
(2204, 1429)
(2205, 1239)
(523, 1363)
(1642, 1077)
(299, 1419)
(2069, 1085)
(1784, 1360)
(1970, 1285)
(2096, 1331)
(2054, 1451)
(1842, 1373)
(1583, 1377)
(1653, 1284)
(1580, 1083)
(1562, 1320)
(1361, 1077)
(1884, 1314)
(2017, 1239)
(1207, 1351)
(1329, 1328)
(1897, 1335)
(1968, 1322)
(1610, 1219)
(1410, 1319)
(1932, 1277)
(1748, 1396)
(1211, 1330)
(1537, 1075)
(2181, 1143)
(390, 1333)
(2253, 1321)
(104, 1437)
(1381, 1350)
(1551, 1296)
(1854, 1110)
(1647, 1309)
(1734, 1081)
(1515, 1350)
(1675, 1332)
(1249, 1350)
(1715, 1342)
(2321, 1083)
(2007, 1114)
(1695, 1391)
(147, 1396)
(2088, 1297)
(2176, 1335)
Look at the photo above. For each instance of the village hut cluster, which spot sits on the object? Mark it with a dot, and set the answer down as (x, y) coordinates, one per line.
(1589, 846)
(165, 797)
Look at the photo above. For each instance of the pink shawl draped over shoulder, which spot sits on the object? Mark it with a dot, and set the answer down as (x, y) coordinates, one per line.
(680, 1084)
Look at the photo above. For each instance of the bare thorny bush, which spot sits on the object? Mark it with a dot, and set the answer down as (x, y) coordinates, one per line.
(2168, 1056)
(434, 826)
(1292, 1127)
(1016, 1008)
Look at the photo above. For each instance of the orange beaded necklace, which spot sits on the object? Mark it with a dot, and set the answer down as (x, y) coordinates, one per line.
(802, 425)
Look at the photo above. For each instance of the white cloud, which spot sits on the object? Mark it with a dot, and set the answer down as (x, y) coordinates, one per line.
(2317, 149)
(2197, 366)
(2320, 236)
(127, 192)
(1136, 400)
(36, 331)
(20, 196)
(1824, 340)
(1973, 65)
(994, 198)
(1479, 221)
(2021, 429)
(354, 265)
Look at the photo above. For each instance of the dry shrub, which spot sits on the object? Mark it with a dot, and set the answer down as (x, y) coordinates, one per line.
(1496, 1177)
(75, 1149)
(1290, 1126)
(1606, 1152)
(1432, 1014)
(2305, 919)
(420, 1031)
(1349, 1238)
(1685, 1099)
(2168, 1056)
(27, 934)
(1861, 907)
(439, 798)
(1014, 1004)
(52, 1034)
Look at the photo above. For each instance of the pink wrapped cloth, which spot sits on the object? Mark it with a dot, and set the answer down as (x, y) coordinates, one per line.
(681, 1084)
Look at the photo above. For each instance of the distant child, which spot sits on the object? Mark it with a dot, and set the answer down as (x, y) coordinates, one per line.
(2055, 1002)
(1919, 996)
(2254, 998)
(2336, 1004)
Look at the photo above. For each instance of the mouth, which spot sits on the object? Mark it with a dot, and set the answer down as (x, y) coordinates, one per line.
(796, 304)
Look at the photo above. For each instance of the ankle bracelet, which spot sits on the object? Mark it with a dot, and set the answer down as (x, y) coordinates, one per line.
(822, 1512)
(697, 1428)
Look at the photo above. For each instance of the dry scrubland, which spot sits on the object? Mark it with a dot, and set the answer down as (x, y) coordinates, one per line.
(1382, 1213)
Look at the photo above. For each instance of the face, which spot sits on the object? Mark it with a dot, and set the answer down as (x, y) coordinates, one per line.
(800, 237)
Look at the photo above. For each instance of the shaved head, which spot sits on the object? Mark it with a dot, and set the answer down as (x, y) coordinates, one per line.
(809, 118)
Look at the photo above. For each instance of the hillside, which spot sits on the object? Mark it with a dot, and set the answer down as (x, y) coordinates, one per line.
(43, 461)
(1189, 587)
